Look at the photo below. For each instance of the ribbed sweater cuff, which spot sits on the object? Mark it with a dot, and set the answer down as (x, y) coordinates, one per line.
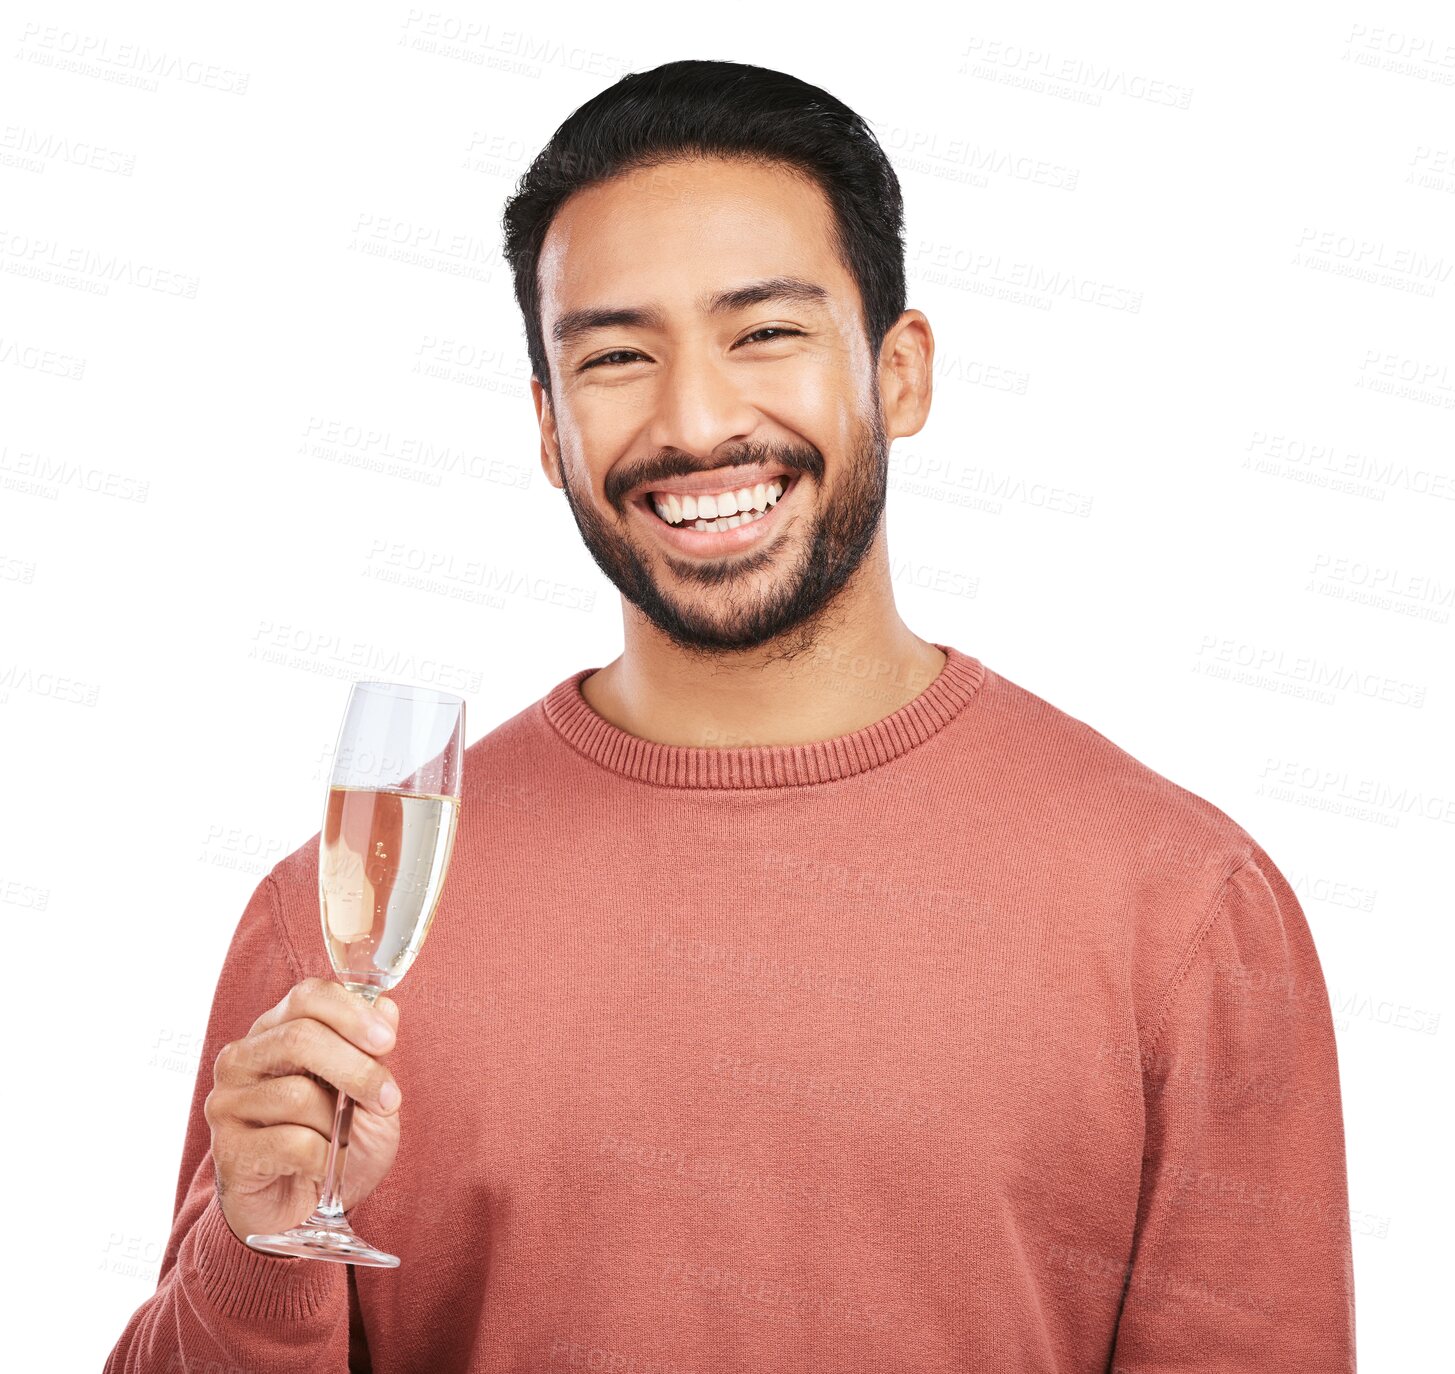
(242, 1282)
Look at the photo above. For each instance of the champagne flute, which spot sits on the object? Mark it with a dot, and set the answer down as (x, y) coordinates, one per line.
(388, 831)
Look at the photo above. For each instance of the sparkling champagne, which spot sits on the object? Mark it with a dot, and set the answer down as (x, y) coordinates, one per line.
(382, 863)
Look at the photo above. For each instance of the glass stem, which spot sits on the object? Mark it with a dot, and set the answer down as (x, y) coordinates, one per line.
(330, 1209)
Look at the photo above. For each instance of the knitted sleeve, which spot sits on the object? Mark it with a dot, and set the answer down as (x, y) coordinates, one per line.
(1241, 1259)
(219, 1304)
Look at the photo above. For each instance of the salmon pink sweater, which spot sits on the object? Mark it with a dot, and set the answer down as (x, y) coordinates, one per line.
(964, 1041)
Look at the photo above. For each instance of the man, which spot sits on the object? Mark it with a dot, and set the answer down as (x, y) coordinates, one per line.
(805, 994)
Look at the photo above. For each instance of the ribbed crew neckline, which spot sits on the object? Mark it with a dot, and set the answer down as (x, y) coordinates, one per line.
(764, 765)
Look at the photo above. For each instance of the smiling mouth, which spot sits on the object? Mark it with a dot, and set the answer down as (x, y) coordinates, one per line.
(718, 511)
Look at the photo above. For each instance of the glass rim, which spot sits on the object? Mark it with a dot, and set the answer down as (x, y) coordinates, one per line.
(405, 689)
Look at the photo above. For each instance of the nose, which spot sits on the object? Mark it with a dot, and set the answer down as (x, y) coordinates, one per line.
(699, 407)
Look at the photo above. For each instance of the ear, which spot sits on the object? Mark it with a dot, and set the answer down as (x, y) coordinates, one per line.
(906, 374)
(550, 442)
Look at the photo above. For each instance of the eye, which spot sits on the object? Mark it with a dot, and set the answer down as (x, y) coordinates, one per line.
(781, 330)
(602, 360)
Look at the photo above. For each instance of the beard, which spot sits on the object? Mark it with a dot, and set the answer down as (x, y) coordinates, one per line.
(746, 603)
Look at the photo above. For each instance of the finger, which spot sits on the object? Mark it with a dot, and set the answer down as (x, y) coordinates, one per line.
(248, 1156)
(292, 1100)
(305, 1046)
(334, 1005)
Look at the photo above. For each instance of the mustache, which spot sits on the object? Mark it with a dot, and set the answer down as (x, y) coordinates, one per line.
(674, 463)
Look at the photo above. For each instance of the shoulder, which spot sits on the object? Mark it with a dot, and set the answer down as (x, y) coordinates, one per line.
(1133, 861)
(1057, 767)
(504, 768)
(1134, 865)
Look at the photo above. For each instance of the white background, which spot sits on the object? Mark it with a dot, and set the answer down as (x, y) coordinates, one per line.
(1194, 488)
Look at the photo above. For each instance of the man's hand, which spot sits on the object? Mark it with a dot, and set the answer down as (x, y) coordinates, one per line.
(272, 1105)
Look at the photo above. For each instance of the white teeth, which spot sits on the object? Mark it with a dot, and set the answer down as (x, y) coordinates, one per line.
(729, 522)
(722, 511)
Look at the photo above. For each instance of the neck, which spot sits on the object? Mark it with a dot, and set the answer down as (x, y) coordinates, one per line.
(856, 663)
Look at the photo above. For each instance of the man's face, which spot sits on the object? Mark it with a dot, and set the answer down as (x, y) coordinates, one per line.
(674, 396)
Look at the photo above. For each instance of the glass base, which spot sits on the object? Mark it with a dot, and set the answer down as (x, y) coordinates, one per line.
(325, 1239)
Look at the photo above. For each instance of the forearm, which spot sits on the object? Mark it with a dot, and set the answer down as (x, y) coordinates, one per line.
(223, 1307)
(219, 1306)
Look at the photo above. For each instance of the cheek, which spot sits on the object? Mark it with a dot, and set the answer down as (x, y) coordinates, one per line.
(591, 438)
(816, 398)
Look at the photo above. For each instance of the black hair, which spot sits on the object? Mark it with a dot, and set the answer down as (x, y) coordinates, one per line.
(695, 108)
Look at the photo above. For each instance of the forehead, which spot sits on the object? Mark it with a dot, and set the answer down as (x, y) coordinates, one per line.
(668, 233)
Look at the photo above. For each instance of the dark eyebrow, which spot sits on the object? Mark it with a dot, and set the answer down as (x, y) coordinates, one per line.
(574, 323)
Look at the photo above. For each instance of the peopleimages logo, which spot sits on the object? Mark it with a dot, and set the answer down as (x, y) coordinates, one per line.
(44, 259)
(121, 63)
(333, 655)
(1074, 79)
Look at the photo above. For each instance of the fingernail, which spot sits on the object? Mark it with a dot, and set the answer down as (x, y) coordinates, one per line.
(379, 1033)
(389, 1096)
